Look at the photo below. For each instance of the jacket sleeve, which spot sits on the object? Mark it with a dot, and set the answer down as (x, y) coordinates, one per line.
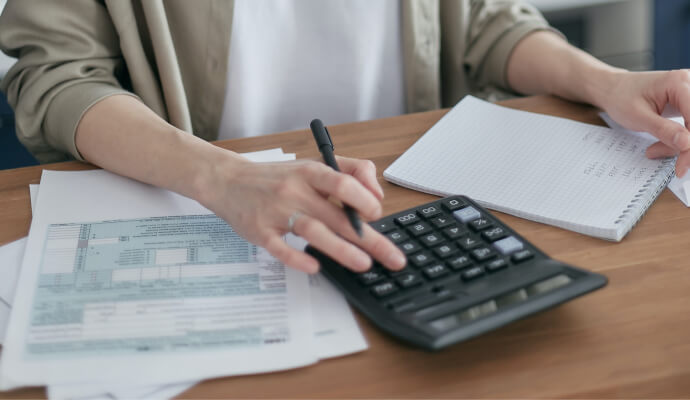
(492, 29)
(68, 59)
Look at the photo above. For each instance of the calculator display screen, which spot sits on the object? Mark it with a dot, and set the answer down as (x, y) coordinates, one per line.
(508, 299)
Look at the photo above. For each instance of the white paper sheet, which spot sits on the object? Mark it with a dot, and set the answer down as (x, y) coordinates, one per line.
(47, 352)
(678, 186)
(335, 328)
(11, 255)
(4, 319)
(33, 196)
(336, 331)
(96, 392)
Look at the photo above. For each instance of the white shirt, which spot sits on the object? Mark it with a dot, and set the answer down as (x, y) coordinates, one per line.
(293, 61)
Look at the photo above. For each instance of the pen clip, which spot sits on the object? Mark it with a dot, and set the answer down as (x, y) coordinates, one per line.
(328, 135)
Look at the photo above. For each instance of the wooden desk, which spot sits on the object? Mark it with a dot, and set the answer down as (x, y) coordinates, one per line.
(631, 339)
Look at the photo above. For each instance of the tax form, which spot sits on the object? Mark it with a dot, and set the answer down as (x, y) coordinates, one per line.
(335, 331)
(158, 294)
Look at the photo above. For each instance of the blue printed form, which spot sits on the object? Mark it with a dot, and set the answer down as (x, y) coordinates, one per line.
(124, 282)
(154, 284)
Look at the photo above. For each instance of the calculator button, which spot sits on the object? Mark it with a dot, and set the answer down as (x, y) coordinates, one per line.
(496, 265)
(370, 277)
(460, 262)
(420, 302)
(421, 259)
(483, 254)
(521, 256)
(454, 232)
(407, 219)
(454, 204)
(409, 247)
(494, 234)
(428, 211)
(403, 306)
(419, 228)
(442, 221)
(445, 250)
(466, 214)
(383, 226)
(436, 307)
(472, 273)
(408, 280)
(468, 242)
(431, 239)
(394, 273)
(397, 236)
(480, 223)
(508, 245)
(435, 271)
(445, 323)
(384, 289)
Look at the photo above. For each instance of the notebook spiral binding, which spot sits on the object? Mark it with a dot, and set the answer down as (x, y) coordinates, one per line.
(644, 197)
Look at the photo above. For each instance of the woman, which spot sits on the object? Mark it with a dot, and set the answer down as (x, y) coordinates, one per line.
(122, 83)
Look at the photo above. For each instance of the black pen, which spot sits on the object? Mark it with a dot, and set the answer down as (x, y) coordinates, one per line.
(323, 141)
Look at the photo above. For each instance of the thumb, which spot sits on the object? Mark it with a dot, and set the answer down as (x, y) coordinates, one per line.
(671, 133)
(660, 150)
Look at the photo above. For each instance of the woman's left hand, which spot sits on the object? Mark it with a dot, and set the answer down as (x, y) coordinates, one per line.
(636, 101)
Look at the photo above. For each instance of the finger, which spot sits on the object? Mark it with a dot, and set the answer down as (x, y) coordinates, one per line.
(669, 132)
(345, 188)
(380, 248)
(674, 90)
(371, 241)
(683, 163)
(364, 171)
(291, 257)
(679, 93)
(660, 150)
(322, 238)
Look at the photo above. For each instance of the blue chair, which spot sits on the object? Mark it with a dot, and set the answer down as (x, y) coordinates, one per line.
(671, 34)
(12, 153)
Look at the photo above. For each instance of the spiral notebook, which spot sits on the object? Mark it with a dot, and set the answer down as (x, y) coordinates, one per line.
(585, 178)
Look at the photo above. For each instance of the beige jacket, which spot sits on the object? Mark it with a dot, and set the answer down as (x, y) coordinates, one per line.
(173, 55)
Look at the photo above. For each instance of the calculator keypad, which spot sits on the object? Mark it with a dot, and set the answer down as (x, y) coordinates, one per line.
(450, 242)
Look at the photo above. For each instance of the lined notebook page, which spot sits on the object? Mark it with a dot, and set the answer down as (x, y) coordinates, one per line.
(577, 176)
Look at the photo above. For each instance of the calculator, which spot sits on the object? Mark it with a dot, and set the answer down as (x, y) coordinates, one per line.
(467, 273)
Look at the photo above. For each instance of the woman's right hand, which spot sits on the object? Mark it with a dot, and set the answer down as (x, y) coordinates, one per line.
(258, 200)
(121, 134)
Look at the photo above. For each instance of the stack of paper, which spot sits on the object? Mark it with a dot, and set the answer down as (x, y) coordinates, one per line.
(130, 291)
(10, 261)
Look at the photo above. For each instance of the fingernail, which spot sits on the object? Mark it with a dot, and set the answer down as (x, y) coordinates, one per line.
(396, 260)
(379, 213)
(680, 140)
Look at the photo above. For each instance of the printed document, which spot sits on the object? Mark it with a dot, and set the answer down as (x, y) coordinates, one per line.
(136, 281)
(336, 332)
